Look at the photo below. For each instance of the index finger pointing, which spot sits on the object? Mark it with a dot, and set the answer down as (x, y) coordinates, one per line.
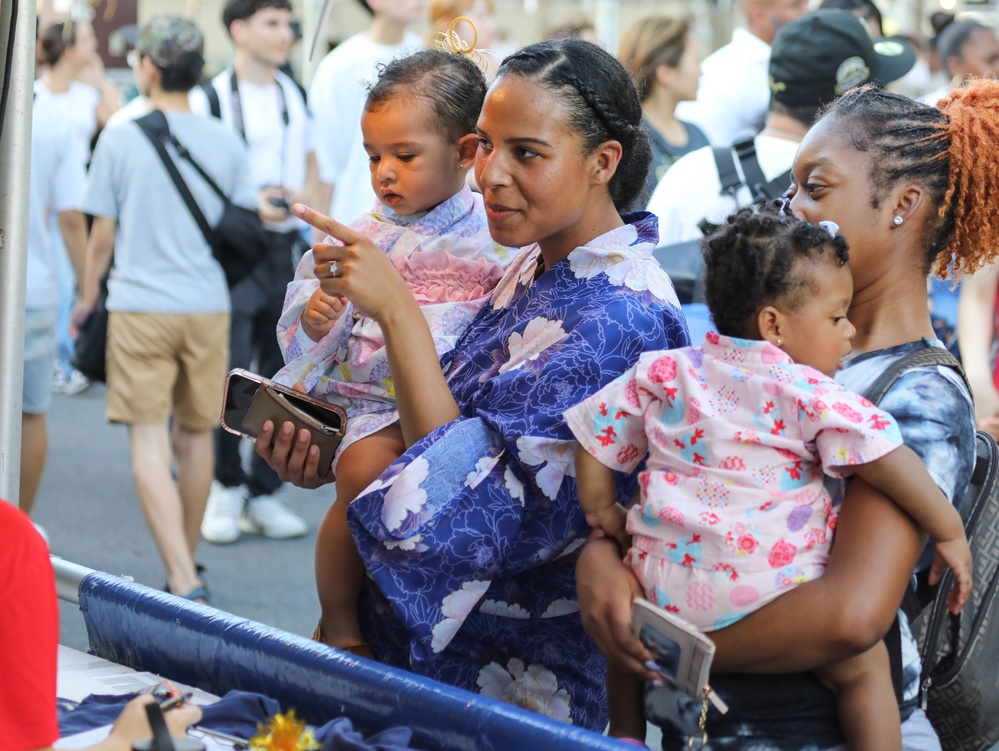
(325, 224)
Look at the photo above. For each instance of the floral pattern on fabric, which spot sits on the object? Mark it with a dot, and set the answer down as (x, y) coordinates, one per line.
(487, 512)
(450, 264)
(733, 509)
(794, 712)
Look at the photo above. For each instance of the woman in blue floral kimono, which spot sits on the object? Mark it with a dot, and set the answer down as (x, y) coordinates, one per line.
(469, 537)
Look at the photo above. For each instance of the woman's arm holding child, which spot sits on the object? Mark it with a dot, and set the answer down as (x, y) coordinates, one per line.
(902, 476)
(598, 497)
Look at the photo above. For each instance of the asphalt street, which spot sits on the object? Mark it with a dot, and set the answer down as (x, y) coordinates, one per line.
(88, 505)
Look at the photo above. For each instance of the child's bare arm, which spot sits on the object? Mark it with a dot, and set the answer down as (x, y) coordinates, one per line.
(598, 497)
(902, 476)
(320, 314)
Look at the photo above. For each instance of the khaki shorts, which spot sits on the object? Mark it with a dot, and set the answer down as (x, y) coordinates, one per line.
(161, 364)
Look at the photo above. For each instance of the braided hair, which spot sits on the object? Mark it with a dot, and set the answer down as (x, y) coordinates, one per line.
(452, 84)
(601, 100)
(755, 259)
(948, 151)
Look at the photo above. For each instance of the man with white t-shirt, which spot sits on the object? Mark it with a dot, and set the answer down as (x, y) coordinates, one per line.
(55, 187)
(337, 96)
(733, 94)
(267, 110)
(815, 59)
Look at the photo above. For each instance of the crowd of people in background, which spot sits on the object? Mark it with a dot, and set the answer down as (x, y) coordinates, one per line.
(105, 209)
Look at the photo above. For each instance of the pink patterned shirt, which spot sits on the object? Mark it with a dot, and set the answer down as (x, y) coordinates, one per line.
(733, 508)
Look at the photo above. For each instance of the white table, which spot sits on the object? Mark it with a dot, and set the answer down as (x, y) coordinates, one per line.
(81, 675)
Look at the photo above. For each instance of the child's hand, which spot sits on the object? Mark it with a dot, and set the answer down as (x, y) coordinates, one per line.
(611, 521)
(956, 555)
(321, 313)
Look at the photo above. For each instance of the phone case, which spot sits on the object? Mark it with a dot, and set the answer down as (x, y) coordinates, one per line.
(683, 653)
(279, 404)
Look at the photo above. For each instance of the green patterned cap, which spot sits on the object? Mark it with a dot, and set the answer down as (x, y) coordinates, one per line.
(165, 38)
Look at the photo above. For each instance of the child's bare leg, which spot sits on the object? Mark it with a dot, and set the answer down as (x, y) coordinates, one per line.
(625, 703)
(865, 697)
(339, 569)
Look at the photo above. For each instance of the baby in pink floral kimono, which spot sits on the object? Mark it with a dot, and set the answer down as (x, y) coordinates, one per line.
(418, 126)
(739, 434)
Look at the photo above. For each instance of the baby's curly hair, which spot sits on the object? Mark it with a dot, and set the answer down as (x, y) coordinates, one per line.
(752, 260)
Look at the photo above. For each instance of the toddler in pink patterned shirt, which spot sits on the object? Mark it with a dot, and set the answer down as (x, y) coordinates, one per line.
(739, 435)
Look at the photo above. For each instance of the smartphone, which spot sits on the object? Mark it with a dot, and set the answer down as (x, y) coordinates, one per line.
(250, 399)
(682, 653)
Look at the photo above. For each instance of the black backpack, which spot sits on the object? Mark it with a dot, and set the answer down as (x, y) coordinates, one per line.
(959, 685)
(684, 261)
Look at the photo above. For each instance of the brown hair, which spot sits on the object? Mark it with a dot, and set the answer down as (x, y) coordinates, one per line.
(649, 43)
(948, 151)
(55, 39)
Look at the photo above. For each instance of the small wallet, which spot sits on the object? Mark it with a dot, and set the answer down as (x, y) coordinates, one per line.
(325, 423)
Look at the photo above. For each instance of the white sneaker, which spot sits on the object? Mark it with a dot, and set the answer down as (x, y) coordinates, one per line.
(225, 505)
(75, 383)
(58, 380)
(266, 515)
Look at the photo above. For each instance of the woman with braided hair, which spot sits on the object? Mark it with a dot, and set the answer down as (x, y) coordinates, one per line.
(912, 191)
(469, 539)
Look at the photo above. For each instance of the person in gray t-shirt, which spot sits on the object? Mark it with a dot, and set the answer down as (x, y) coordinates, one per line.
(168, 300)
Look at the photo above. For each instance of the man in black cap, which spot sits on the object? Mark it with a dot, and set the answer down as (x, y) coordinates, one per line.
(814, 59)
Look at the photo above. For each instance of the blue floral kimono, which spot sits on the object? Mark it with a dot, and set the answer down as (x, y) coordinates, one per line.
(469, 538)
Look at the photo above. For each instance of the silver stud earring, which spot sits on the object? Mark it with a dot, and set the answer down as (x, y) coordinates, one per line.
(897, 221)
(780, 342)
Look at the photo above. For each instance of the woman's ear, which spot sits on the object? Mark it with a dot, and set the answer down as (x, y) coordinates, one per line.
(664, 75)
(468, 144)
(771, 324)
(605, 160)
(908, 201)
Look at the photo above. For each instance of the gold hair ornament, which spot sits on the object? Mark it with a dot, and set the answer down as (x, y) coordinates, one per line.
(449, 41)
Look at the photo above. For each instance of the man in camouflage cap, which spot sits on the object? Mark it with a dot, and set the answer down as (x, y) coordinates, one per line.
(170, 40)
(168, 328)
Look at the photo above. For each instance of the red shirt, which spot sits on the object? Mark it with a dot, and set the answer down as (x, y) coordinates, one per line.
(29, 636)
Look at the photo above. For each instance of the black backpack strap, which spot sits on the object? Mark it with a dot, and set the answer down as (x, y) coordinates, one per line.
(214, 105)
(919, 359)
(728, 175)
(911, 604)
(154, 126)
(754, 177)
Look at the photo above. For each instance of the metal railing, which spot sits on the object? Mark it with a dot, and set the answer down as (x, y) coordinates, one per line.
(68, 576)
